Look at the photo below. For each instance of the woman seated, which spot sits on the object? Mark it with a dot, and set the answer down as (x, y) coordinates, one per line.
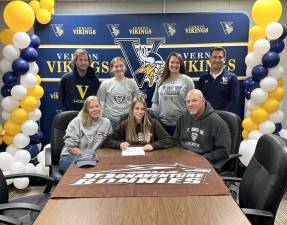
(139, 129)
(87, 131)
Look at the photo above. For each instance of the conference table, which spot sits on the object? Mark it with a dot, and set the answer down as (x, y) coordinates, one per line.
(199, 197)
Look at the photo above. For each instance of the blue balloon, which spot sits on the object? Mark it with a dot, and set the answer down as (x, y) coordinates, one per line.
(35, 41)
(247, 94)
(29, 54)
(284, 34)
(250, 84)
(10, 79)
(20, 66)
(5, 91)
(278, 127)
(270, 59)
(32, 149)
(259, 72)
(277, 45)
(37, 138)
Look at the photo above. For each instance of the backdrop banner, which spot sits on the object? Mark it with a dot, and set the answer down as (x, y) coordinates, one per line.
(144, 40)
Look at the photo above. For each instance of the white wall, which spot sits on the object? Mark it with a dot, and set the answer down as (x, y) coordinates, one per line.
(159, 6)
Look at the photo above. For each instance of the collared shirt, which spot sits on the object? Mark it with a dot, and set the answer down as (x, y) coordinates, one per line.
(217, 74)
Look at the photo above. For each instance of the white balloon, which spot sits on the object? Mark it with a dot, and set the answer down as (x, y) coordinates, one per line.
(22, 156)
(277, 72)
(21, 40)
(39, 169)
(273, 30)
(30, 168)
(21, 140)
(249, 105)
(39, 146)
(6, 159)
(249, 71)
(38, 104)
(276, 117)
(12, 149)
(35, 115)
(5, 65)
(252, 60)
(254, 135)
(10, 52)
(5, 115)
(247, 113)
(9, 103)
(261, 47)
(30, 127)
(247, 149)
(268, 84)
(33, 68)
(8, 181)
(28, 80)
(267, 127)
(258, 96)
(283, 133)
(17, 167)
(18, 92)
(21, 183)
(41, 157)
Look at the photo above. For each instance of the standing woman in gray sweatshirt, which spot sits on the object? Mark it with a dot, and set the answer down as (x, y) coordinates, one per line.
(171, 90)
(87, 131)
(117, 93)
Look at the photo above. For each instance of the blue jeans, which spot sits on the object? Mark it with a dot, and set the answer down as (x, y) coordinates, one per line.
(65, 162)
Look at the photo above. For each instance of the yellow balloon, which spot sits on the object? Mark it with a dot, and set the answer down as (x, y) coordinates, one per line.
(245, 134)
(259, 115)
(278, 93)
(250, 46)
(43, 16)
(1, 139)
(35, 5)
(266, 11)
(37, 92)
(249, 125)
(52, 11)
(47, 4)
(6, 36)
(19, 115)
(38, 79)
(7, 139)
(271, 105)
(280, 82)
(29, 103)
(11, 128)
(256, 32)
(19, 16)
(1, 130)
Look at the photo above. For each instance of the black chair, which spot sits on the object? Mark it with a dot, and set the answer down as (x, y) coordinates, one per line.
(52, 153)
(228, 167)
(264, 182)
(22, 210)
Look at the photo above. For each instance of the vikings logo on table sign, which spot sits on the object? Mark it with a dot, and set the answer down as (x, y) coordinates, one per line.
(164, 173)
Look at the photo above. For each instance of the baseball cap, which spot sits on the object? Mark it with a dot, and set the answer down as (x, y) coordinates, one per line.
(86, 158)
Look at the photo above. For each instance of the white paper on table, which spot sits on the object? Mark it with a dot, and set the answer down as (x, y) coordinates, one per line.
(133, 151)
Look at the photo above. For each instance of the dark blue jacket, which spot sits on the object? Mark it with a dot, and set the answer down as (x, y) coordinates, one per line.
(74, 89)
(222, 92)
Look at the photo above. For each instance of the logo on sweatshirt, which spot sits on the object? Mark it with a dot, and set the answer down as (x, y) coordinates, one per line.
(119, 98)
(82, 91)
(194, 136)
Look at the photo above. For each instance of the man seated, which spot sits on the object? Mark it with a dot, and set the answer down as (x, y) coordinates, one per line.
(202, 130)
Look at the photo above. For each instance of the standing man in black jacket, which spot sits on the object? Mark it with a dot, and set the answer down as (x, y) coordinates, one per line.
(76, 86)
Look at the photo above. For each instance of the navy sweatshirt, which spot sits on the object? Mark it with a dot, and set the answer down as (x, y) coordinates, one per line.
(74, 89)
(222, 92)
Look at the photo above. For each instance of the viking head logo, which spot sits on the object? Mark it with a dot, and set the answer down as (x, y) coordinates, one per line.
(58, 29)
(119, 98)
(194, 136)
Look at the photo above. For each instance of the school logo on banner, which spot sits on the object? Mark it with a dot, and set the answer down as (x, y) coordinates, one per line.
(114, 29)
(169, 29)
(227, 27)
(58, 29)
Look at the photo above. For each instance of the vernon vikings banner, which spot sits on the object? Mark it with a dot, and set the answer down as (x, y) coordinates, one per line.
(144, 40)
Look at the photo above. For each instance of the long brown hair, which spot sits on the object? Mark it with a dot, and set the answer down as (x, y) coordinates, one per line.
(145, 124)
(84, 115)
(166, 71)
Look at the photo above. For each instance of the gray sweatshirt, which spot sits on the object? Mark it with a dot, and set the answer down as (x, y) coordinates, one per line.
(169, 98)
(86, 137)
(116, 96)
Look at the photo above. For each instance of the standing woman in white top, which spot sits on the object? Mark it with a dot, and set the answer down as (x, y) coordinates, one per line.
(116, 94)
(171, 90)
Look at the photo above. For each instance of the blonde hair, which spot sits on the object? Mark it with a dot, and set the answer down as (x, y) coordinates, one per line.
(145, 124)
(84, 115)
(79, 52)
(116, 59)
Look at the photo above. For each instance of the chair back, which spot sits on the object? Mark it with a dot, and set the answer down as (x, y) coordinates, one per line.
(264, 181)
(59, 126)
(4, 192)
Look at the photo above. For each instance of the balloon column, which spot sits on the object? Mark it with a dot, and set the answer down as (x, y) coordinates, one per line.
(264, 85)
(22, 90)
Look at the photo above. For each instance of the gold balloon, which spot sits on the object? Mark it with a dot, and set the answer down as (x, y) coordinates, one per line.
(245, 134)
(271, 105)
(11, 128)
(29, 103)
(7, 139)
(249, 125)
(250, 46)
(35, 5)
(1, 129)
(52, 11)
(259, 115)
(19, 115)
(256, 32)
(266, 11)
(43, 16)
(6, 36)
(280, 82)
(47, 4)
(19, 16)
(37, 92)
(1, 139)
(38, 79)
(278, 93)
